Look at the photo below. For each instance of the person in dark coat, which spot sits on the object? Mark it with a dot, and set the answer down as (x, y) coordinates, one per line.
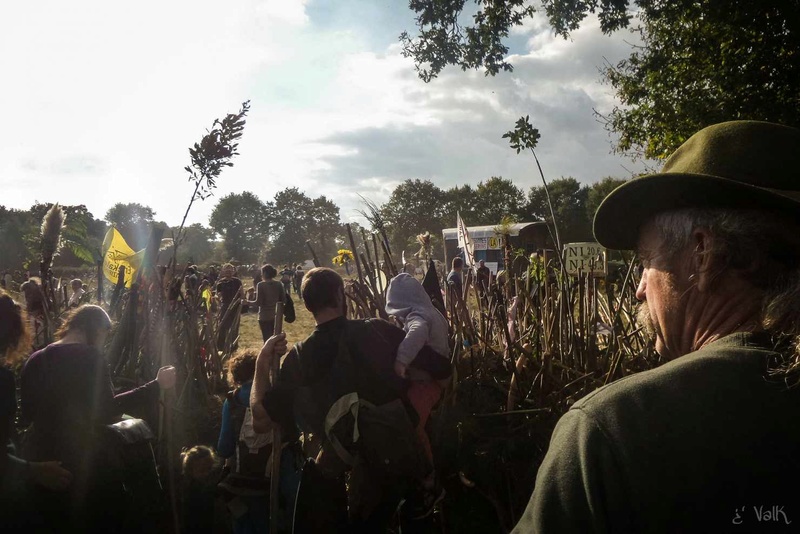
(66, 394)
(18, 477)
(455, 279)
(709, 441)
(228, 290)
(374, 494)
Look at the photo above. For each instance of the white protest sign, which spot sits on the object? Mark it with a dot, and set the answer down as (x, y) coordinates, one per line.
(481, 243)
(585, 258)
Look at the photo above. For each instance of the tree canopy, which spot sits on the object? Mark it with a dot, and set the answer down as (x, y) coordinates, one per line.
(496, 198)
(415, 206)
(243, 221)
(704, 63)
(300, 218)
(197, 246)
(133, 221)
(276, 230)
(569, 205)
(701, 61)
(444, 38)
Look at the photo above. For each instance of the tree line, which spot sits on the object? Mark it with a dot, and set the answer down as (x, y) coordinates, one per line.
(244, 228)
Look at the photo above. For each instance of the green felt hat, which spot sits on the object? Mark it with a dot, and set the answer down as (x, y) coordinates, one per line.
(735, 165)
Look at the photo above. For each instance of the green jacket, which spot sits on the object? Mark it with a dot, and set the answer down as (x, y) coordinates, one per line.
(705, 443)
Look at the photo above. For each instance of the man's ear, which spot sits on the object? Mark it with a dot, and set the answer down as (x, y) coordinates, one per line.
(702, 270)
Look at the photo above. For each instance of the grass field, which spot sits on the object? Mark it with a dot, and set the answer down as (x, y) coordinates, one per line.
(250, 333)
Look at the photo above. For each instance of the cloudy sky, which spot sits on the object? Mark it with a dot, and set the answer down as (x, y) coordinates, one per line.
(100, 101)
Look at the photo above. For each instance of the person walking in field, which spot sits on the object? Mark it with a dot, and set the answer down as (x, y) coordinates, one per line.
(482, 277)
(77, 293)
(287, 275)
(298, 278)
(228, 289)
(455, 279)
(709, 441)
(352, 361)
(268, 293)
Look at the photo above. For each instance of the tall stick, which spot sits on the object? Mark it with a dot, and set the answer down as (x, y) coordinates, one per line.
(165, 424)
(313, 254)
(368, 261)
(274, 486)
(377, 263)
(99, 282)
(355, 253)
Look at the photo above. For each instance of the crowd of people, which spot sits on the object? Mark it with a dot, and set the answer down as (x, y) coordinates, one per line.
(66, 394)
(706, 442)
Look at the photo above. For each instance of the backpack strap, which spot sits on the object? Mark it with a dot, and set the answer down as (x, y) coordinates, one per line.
(350, 402)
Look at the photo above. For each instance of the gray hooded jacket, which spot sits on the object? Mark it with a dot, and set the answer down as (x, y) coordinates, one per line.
(424, 325)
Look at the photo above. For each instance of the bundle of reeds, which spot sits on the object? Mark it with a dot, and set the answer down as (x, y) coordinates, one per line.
(523, 351)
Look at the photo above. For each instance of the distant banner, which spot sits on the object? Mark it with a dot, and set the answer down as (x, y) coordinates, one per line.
(116, 254)
(464, 241)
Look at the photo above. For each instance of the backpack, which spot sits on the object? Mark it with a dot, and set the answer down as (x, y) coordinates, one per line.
(383, 436)
(288, 308)
(253, 461)
(127, 472)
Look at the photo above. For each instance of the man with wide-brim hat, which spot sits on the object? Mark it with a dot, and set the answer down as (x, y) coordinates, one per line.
(710, 441)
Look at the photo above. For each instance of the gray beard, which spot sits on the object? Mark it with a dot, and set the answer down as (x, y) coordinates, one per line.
(646, 322)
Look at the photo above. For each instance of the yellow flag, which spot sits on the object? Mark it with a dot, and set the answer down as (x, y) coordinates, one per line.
(116, 254)
(207, 297)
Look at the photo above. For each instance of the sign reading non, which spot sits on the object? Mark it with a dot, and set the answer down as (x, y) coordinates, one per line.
(585, 258)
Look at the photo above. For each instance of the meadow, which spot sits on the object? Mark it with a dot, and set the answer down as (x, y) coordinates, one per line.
(250, 334)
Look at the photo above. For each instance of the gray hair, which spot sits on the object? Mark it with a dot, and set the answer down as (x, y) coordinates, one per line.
(762, 248)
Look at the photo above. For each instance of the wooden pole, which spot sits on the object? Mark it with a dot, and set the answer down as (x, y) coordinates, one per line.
(355, 253)
(388, 258)
(313, 254)
(378, 269)
(368, 261)
(99, 282)
(274, 482)
(165, 414)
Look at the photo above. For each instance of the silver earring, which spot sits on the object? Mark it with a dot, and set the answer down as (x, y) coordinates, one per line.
(691, 277)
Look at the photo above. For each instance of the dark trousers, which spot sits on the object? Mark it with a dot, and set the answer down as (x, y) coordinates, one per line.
(267, 328)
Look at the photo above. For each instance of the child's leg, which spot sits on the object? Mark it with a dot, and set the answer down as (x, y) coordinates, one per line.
(423, 397)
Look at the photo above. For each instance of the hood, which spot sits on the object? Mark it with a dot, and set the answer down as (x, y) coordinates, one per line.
(405, 294)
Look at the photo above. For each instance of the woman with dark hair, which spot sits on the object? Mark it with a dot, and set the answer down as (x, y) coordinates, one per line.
(66, 394)
(228, 289)
(268, 293)
(16, 474)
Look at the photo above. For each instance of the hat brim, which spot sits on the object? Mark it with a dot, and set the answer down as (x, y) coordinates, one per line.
(622, 213)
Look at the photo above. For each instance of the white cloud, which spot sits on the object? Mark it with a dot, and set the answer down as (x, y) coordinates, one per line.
(102, 102)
